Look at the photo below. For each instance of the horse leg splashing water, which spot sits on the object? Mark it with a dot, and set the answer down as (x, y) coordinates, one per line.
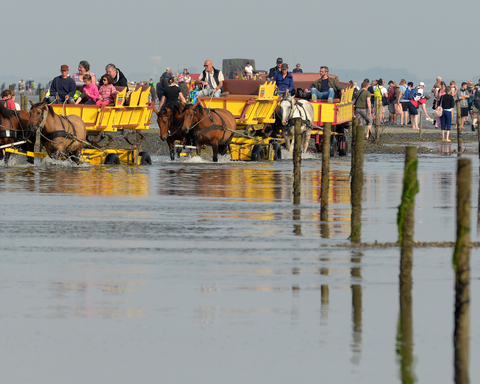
(170, 121)
(214, 127)
(291, 109)
(13, 128)
(61, 136)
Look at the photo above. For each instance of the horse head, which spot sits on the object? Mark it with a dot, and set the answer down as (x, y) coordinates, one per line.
(164, 121)
(38, 115)
(190, 117)
(286, 108)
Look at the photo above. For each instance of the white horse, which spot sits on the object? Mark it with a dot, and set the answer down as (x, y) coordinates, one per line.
(291, 109)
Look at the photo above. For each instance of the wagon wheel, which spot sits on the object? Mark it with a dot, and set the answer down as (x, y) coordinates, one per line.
(258, 153)
(112, 158)
(343, 146)
(333, 147)
(145, 158)
(277, 151)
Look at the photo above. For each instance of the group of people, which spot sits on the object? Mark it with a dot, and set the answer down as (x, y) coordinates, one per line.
(404, 100)
(8, 100)
(63, 88)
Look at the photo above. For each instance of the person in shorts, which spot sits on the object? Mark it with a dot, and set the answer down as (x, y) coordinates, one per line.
(418, 100)
(363, 107)
(463, 96)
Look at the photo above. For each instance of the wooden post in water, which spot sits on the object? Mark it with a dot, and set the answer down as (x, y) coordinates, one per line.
(11, 87)
(459, 130)
(297, 161)
(461, 265)
(356, 185)
(41, 95)
(405, 221)
(405, 217)
(420, 125)
(405, 319)
(327, 127)
(354, 135)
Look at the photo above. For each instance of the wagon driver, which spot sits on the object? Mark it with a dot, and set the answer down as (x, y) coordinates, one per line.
(63, 86)
(212, 80)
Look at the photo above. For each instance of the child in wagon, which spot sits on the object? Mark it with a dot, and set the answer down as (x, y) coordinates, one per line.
(107, 91)
(90, 94)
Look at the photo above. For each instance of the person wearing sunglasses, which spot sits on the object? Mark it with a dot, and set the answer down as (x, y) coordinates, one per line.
(212, 80)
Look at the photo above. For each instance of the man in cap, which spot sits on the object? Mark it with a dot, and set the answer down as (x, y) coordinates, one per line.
(212, 80)
(284, 80)
(63, 88)
(325, 87)
(274, 70)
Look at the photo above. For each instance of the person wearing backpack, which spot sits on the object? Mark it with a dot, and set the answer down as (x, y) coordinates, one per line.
(362, 108)
(392, 96)
(379, 92)
(403, 101)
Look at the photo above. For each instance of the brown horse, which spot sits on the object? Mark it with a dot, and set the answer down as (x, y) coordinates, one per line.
(170, 121)
(214, 127)
(61, 136)
(14, 128)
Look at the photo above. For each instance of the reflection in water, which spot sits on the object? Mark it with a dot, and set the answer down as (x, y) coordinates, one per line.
(405, 322)
(356, 307)
(446, 150)
(297, 228)
(324, 304)
(83, 181)
(324, 290)
(246, 183)
(82, 293)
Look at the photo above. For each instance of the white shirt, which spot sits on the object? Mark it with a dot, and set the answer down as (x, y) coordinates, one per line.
(249, 69)
(211, 78)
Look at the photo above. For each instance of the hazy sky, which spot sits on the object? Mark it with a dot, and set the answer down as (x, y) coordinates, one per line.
(145, 37)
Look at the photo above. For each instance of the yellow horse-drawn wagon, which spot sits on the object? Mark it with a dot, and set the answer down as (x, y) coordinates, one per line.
(101, 121)
(253, 104)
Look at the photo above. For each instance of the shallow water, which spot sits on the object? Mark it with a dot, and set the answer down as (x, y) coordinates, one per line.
(190, 271)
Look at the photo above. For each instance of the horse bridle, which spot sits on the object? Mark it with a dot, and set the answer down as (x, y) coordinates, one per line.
(170, 124)
(44, 117)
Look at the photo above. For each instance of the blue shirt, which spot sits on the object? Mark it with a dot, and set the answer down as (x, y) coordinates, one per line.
(284, 84)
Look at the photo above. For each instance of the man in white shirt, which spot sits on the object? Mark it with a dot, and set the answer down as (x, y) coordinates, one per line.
(212, 80)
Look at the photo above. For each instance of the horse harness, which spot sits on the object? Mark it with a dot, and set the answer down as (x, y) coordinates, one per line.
(304, 122)
(18, 134)
(214, 126)
(61, 133)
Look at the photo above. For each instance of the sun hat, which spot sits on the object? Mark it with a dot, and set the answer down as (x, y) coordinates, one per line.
(421, 83)
(284, 66)
(64, 67)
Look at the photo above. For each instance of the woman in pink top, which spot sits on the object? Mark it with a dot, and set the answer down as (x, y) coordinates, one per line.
(89, 95)
(107, 91)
